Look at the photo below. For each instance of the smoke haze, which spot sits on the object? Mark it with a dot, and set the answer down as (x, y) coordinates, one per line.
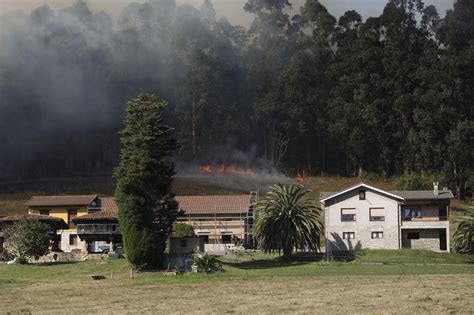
(66, 70)
(231, 9)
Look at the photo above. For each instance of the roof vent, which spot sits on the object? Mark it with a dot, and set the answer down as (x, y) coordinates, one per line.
(435, 188)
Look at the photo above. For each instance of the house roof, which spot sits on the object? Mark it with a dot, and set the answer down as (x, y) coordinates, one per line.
(401, 194)
(52, 201)
(53, 221)
(329, 195)
(424, 194)
(108, 203)
(221, 204)
(103, 215)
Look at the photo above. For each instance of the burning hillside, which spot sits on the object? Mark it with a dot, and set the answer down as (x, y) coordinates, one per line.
(234, 177)
(223, 169)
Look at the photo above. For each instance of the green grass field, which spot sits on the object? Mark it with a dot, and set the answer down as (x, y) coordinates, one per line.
(374, 281)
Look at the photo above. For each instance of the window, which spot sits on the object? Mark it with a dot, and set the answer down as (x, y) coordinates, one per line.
(361, 194)
(348, 214)
(184, 243)
(348, 235)
(377, 214)
(226, 238)
(377, 234)
(71, 214)
(73, 240)
(44, 211)
(412, 213)
(413, 235)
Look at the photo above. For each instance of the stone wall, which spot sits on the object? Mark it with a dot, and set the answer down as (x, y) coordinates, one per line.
(363, 238)
(429, 239)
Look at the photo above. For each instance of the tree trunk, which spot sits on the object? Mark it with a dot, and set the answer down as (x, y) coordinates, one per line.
(287, 252)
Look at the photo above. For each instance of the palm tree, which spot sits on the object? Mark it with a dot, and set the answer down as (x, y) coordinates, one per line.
(464, 235)
(286, 219)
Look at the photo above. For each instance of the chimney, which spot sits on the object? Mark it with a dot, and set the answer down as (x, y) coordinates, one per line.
(435, 189)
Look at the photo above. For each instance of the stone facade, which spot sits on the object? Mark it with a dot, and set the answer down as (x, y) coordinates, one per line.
(349, 214)
(428, 239)
(362, 226)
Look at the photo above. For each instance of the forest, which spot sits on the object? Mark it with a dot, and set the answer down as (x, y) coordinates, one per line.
(389, 95)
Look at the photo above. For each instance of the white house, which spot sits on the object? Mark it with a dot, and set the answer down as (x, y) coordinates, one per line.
(363, 216)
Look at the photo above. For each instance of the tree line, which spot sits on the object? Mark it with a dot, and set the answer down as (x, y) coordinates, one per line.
(390, 95)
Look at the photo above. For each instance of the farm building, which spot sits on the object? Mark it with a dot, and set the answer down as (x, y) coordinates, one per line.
(93, 227)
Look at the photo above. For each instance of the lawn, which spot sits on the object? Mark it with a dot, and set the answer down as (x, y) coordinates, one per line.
(372, 281)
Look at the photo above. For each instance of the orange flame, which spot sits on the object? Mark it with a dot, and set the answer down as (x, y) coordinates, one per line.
(221, 168)
(230, 169)
(299, 177)
(206, 169)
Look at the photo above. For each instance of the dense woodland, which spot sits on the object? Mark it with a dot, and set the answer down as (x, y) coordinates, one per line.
(389, 95)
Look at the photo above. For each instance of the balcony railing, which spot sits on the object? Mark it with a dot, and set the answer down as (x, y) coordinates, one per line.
(422, 219)
(98, 229)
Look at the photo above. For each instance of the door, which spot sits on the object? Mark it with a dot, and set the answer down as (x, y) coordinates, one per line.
(442, 240)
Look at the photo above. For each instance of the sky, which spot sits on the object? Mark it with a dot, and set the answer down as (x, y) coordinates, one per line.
(231, 9)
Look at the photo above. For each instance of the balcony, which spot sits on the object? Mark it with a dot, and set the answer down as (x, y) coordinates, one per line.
(425, 223)
(84, 229)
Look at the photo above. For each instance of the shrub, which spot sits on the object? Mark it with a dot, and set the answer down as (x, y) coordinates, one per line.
(207, 263)
(182, 230)
(26, 239)
(463, 239)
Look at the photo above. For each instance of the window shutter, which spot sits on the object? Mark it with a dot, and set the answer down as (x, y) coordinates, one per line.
(377, 212)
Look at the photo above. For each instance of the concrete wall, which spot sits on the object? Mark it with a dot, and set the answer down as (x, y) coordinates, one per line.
(362, 227)
(176, 245)
(65, 246)
(62, 213)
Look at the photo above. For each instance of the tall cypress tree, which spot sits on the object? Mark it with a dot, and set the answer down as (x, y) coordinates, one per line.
(147, 209)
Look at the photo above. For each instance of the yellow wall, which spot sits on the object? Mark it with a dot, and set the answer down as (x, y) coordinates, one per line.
(59, 212)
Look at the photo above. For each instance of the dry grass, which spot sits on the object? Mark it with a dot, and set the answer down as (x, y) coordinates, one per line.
(342, 294)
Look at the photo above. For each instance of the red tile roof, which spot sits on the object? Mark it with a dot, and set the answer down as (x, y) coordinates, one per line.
(52, 201)
(108, 203)
(221, 204)
(103, 215)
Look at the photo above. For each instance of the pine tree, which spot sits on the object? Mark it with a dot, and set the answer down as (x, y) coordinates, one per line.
(147, 209)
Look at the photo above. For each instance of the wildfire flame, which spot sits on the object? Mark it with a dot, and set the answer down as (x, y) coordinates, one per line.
(206, 169)
(299, 177)
(223, 169)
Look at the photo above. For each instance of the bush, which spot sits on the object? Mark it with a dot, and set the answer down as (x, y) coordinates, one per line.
(182, 230)
(26, 239)
(206, 263)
